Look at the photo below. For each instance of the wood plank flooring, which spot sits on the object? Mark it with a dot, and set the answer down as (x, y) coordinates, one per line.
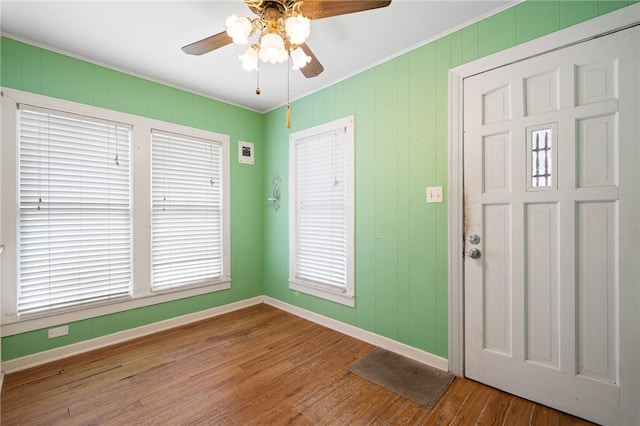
(259, 365)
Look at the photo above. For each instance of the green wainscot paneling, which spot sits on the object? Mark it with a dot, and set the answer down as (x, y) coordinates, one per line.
(37, 70)
(400, 110)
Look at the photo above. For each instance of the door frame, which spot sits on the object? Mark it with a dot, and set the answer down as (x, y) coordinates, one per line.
(611, 22)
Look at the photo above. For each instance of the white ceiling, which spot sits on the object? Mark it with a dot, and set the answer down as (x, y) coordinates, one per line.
(144, 38)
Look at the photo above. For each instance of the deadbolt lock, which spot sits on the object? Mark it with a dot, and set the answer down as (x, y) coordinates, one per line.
(474, 239)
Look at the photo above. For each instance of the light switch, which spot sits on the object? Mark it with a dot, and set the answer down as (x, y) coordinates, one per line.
(434, 194)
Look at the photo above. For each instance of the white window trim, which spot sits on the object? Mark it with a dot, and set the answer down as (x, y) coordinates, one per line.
(141, 207)
(346, 297)
(46, 144)
(163, 271)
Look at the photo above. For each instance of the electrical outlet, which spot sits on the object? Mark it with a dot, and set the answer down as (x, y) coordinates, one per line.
(58, 331)
(434, 194)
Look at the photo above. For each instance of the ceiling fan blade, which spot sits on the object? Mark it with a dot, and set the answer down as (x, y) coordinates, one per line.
(316, 9)
(314, 67)
(208, 44)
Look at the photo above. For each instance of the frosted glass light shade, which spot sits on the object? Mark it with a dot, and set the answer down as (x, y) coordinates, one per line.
(272, 49)
(299, 58)
(297, 28)
(238, 28)
(250, 58)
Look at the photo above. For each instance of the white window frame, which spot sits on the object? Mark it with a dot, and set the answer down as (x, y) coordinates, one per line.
(141, 207)
(345, 295)
(74, 185)
(191, 203)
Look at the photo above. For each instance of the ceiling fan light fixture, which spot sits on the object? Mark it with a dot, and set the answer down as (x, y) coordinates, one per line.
(297, 28)
(299, 58)
(250, 58)
(239, 28)
(272, 49)
(283, 27)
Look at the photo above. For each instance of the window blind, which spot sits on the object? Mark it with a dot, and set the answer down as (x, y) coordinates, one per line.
(74, 206)
(187, 211)
(321, 209)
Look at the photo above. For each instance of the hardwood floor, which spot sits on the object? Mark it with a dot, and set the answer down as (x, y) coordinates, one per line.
(258, 365)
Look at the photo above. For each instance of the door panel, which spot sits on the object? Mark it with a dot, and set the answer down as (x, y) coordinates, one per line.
(597, 289)
(542, 283)
(543, 144)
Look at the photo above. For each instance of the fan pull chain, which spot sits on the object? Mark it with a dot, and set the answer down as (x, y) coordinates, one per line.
(258, 81)
(288, 81)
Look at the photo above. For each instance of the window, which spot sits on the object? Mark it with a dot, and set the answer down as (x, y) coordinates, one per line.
(321, 211)
(74, 210)
(186, 226)
(541, 164)
(100, 213)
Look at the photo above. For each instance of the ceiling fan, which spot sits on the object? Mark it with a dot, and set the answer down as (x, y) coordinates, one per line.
(283, 26)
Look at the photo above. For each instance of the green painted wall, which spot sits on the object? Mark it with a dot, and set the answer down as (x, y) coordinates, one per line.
(401, 148)
(400, 110)
(32, 69)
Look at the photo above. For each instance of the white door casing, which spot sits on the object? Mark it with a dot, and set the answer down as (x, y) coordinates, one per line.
(549, 255)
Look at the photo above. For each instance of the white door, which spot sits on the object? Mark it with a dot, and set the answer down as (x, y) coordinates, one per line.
(551, 225)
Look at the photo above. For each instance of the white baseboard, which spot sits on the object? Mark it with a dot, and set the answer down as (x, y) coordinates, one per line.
(29, 361)
(360, 334)
(18, 364)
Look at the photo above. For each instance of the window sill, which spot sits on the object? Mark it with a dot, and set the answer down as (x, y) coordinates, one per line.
(17, 325)
(336, 296)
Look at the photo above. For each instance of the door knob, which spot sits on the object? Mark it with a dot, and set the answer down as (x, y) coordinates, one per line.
(474, 253)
